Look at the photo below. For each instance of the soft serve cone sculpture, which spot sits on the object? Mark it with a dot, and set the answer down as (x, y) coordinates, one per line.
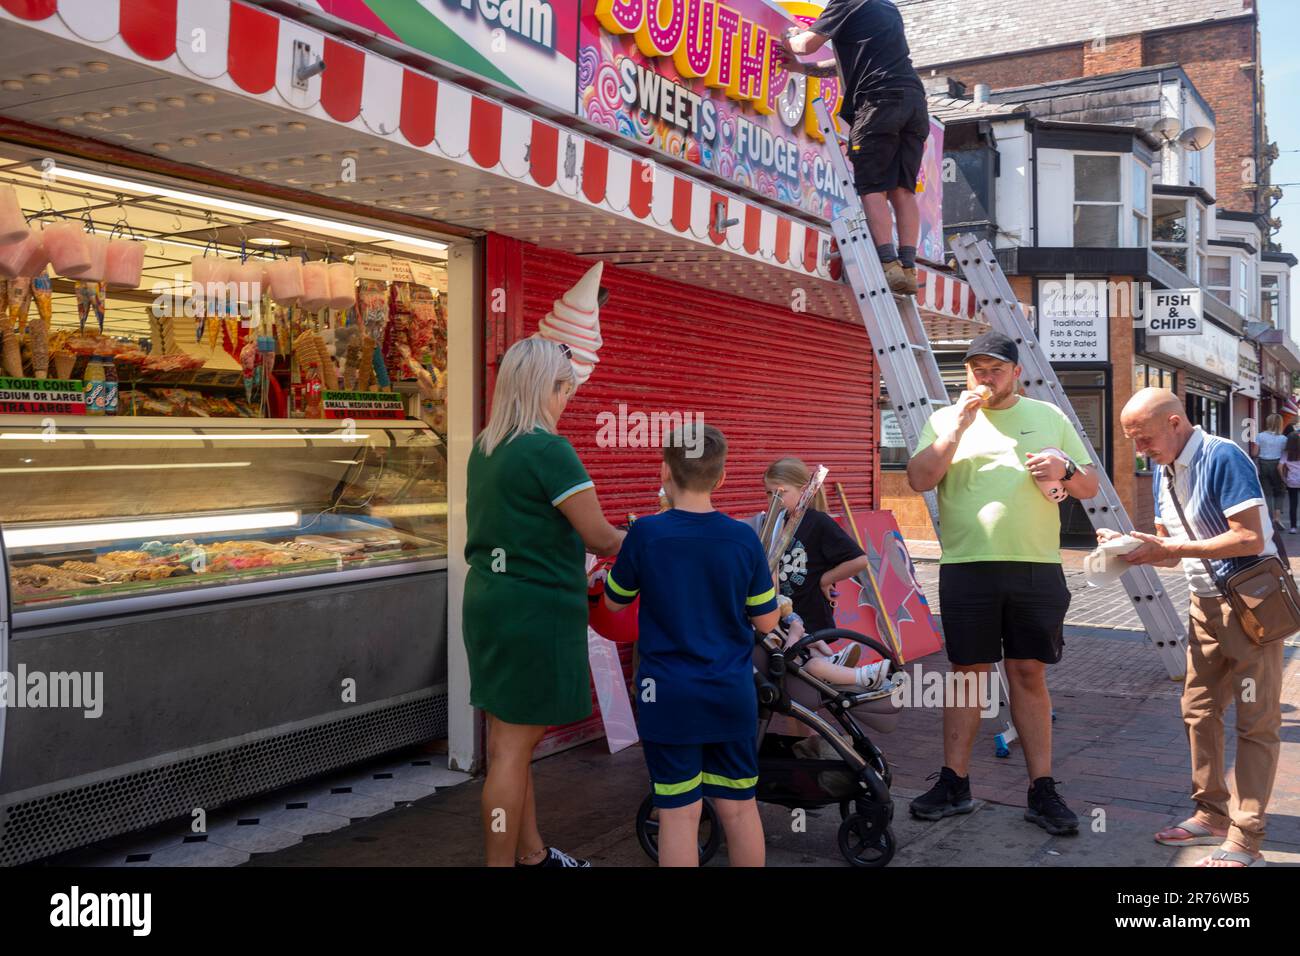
(574, 320)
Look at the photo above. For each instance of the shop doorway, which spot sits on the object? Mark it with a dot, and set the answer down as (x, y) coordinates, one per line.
(1089, 393)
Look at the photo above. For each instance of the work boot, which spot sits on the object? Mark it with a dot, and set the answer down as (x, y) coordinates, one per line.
(902, 281)
(1048, 810)
(912, 287)
(948, 797)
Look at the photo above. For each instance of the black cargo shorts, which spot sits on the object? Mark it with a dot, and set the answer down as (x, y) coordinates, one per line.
(887, 140)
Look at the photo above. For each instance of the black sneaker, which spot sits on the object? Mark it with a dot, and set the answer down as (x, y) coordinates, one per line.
(1048, 810)
(948, 797)
(555, 858)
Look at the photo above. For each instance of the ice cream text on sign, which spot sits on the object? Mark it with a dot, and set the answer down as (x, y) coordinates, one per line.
(532, 20)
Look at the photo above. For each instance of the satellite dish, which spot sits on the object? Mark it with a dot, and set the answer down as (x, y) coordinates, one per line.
(1166, 128)
(1197, 138)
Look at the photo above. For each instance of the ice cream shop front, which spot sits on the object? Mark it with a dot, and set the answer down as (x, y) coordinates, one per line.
(480, 189)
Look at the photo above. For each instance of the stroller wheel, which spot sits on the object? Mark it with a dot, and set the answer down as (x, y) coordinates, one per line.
(864, 845)
(647, 831)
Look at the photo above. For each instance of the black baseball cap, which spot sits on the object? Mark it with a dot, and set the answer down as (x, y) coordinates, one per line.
(997, 345)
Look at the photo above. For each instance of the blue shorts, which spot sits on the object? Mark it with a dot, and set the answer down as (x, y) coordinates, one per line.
(683, 773)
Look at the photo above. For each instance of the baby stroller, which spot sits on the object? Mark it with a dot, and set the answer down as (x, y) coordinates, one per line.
(847, 769)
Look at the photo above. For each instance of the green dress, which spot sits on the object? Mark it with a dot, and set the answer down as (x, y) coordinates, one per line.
(525, 608)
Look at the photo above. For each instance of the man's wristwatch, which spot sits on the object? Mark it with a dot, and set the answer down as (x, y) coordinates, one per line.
(1071, 469)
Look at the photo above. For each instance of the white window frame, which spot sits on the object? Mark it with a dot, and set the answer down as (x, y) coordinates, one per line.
(1140, 218)
(1222, 293)
(1122, 205)
(1188, 244)
(1277, 320)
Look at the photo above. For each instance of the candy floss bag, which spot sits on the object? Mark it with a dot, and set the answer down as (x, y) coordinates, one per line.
(611, 688)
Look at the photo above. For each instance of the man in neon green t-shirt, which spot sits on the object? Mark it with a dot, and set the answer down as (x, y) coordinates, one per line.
(1002, 592)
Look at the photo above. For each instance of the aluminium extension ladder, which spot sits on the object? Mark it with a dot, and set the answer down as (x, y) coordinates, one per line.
(916, 389)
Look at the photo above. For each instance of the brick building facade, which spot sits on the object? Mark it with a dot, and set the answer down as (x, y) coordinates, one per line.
(1216, 42)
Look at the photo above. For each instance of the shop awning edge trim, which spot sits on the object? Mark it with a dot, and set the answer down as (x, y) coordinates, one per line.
(433, 115)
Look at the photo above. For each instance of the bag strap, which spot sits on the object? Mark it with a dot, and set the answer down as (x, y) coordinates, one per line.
(1187, 528)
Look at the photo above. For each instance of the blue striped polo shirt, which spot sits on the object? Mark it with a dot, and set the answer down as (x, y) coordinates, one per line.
(1215, 479)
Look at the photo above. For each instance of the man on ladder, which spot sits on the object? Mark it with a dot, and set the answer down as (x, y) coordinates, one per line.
(1002, 591)
(884, 108)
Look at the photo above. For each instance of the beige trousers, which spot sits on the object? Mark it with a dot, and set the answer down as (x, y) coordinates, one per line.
(1223, 666)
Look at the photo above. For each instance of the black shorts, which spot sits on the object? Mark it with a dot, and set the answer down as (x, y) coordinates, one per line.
(887, 140)
(992, 609)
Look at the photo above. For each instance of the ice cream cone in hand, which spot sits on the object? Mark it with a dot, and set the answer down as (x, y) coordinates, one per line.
(574, 320)
(984, 392)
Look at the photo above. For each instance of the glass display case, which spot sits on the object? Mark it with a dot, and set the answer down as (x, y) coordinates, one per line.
(98, 509)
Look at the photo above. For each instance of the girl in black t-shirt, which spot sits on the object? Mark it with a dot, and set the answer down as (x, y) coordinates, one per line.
(820, 555)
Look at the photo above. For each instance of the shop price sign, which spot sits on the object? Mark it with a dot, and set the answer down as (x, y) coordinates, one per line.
(341, 405)
(42, 396)
(371, 266)
(1073, 320)
(1174, 312)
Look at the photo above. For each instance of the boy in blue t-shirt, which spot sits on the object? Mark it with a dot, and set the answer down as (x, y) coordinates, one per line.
(705, 585)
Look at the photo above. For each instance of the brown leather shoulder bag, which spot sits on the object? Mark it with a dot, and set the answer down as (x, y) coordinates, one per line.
(1263, 595)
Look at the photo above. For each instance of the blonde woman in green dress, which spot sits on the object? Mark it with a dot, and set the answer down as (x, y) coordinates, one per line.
(532, 515)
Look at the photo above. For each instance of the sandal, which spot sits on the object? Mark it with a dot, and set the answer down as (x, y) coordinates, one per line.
(1233, 856)
(1198, 834)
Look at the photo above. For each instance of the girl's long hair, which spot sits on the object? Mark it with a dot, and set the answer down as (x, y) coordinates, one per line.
(1273, 423)
(531, 371)
(794, 473)
(1293, 446)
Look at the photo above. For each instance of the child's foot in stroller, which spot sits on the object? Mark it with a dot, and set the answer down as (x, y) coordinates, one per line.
(873, 676)
(948, 797)
(847, 656)
(1048, 810)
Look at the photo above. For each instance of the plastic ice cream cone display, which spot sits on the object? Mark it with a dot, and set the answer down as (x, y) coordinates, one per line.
(13, 225)
(574, 320)
(65, 243)
(125, 263)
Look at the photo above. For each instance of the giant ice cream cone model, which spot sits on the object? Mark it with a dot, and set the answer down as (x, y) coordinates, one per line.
(574, 320)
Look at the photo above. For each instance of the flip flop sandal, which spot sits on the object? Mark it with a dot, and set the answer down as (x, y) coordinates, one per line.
(1233, 856)
(1201, 835)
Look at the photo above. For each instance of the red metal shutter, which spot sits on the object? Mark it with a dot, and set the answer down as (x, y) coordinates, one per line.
(775, 381)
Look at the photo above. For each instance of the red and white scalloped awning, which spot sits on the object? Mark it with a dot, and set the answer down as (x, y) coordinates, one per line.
(570, 189)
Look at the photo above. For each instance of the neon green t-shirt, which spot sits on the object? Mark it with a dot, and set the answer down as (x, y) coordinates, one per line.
(990, 508)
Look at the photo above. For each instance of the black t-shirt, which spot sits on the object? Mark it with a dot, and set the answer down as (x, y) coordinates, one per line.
(818, 545)
(871, 49)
